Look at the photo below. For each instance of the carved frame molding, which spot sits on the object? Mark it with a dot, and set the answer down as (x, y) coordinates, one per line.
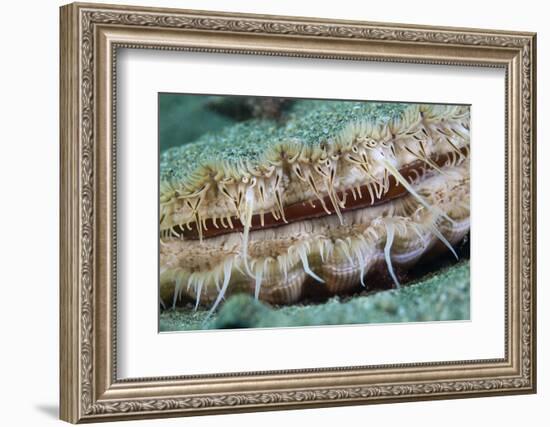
(90, 37)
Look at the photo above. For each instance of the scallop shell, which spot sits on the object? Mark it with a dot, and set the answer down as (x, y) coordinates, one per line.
(337, 252)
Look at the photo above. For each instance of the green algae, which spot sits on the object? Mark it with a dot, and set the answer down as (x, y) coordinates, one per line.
(440, 296)
(312, 121)
(242, 141)
(307, 123)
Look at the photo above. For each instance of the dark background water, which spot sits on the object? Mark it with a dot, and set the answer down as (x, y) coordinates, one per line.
(184, 118)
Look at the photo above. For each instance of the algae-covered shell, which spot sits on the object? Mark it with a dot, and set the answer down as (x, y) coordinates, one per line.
(333, 192)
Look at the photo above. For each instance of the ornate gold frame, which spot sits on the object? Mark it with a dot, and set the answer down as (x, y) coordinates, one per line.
(90, 36)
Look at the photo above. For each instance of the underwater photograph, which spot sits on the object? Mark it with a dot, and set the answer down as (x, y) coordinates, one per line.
(288, 212)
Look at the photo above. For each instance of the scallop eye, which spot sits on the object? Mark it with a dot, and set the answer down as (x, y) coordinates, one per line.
(371, 143)
(354, 149)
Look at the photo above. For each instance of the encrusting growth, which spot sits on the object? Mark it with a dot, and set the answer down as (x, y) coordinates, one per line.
(322, 199)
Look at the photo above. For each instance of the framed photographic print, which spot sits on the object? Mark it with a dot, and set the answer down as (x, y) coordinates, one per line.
(266, 212)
